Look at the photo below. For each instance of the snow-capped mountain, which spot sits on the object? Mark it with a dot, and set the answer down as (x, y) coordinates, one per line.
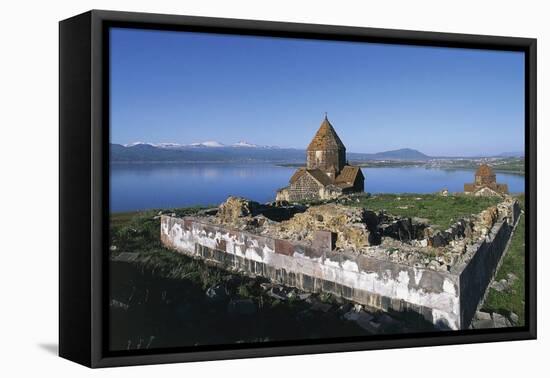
(208, 143)
(243, 143)
(168, 145)
(158, 145)
(137, 144)
(204, 152)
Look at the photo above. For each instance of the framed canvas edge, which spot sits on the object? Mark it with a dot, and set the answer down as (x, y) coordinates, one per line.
(75, 273)
(99, 168)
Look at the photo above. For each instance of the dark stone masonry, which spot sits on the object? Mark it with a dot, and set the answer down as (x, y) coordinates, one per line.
(327, 174)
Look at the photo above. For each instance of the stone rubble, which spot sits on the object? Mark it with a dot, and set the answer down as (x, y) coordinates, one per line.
(410, 241)
(493, 320)
(504, 285)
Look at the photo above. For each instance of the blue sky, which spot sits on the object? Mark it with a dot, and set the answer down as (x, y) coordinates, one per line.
(189, 87)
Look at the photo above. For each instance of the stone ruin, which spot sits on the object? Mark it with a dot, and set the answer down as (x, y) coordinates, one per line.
(373, 258)
(377, 234)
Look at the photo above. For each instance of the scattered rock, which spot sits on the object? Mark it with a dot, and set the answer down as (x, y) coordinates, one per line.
(514, 318)
(217, 293)
(347, 223)
(266, 285)
(482, 315)
(419, 220)
(410, 241)
(499, 320)
(211, 211)
(438, 240)
(363, 319)
(480, 324)
(486, 192)
(501, 285)
(279, 292)
(242, 213)
(489, 216)
(236, 207)
(434, 264)
(345, 308)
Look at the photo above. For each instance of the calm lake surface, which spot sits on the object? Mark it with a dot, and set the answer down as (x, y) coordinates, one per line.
(168, 185)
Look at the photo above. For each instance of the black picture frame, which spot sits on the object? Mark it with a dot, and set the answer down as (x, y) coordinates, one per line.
(84, 189)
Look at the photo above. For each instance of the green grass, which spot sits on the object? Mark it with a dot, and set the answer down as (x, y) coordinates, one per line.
(139, 232)
(440, 211)
(514, 262)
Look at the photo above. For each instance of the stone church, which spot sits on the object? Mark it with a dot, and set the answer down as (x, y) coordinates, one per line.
(327, 174)
(485, 183)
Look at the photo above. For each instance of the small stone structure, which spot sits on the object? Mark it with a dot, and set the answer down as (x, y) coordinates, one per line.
(485, 183)
(396, 268)
(327, 174)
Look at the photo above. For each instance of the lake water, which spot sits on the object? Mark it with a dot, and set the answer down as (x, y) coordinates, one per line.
(168, 185)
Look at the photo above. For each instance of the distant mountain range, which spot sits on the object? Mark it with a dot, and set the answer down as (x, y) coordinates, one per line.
(206, 151)
(401, 154)
(208, 143)
(213, 151)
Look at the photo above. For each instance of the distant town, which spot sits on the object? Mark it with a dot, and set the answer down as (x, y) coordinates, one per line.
(499, 164)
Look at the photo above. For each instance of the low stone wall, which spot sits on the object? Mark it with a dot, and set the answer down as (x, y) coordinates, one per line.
(477, 273)
(365, 280)
(448, 299)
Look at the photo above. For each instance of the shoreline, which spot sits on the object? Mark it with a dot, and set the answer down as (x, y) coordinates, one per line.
(405, 165)
(365, 164)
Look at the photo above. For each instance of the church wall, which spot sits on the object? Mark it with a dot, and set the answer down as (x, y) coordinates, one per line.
(329, 161)
(304, 188)
(359, 184)
(488, 181)
(485, 180)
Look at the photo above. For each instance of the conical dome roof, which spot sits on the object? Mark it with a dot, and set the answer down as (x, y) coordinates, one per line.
(484, 170)
(326, 138)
